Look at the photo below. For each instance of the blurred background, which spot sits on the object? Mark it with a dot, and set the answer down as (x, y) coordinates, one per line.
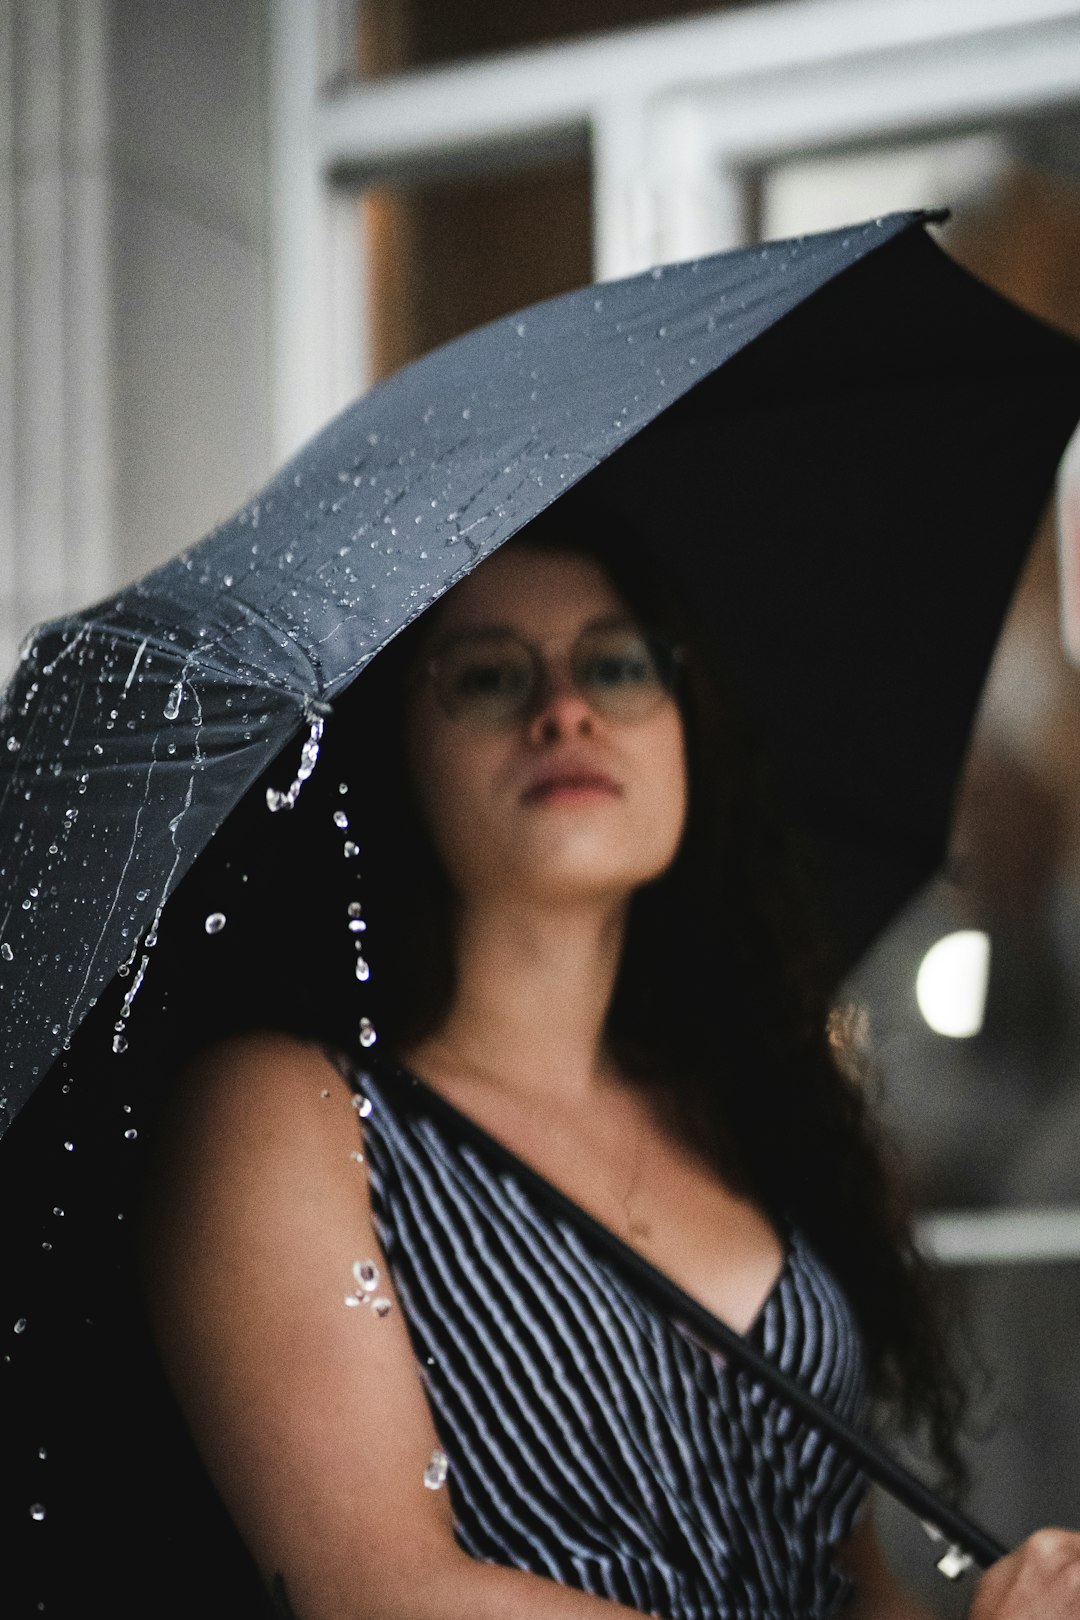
(219, 223)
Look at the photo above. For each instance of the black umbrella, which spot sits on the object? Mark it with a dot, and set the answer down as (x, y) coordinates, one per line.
(839, 444)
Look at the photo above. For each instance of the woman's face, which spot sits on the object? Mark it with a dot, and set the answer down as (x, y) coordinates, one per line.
(560, 801)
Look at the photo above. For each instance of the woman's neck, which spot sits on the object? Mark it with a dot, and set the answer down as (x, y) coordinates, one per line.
(533, 987)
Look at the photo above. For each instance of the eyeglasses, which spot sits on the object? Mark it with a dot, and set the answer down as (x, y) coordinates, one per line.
(494, 678)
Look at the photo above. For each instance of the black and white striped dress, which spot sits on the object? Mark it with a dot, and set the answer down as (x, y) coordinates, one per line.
(590, 1437)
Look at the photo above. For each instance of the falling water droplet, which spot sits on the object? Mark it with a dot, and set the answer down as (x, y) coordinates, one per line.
(131, 1133)
(355, 908)
(173, 701)
(366, 1273)
(435, 1472)
(341, 819)
(351, 849)
(119, 1043)
(215, 922)
(20, 1325)
(357, 925)
(343, 787)
(37, 1512)
(367, 1033)
(70, 1146)
(363, 972)
(6, 952)
(42, 1453)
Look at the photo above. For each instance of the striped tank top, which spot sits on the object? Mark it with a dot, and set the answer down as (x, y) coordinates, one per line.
(590, 1436)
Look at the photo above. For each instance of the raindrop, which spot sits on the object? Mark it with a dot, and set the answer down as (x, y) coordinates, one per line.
(6, 952)
(130, 1134)
(57, 1210)
(351, 849)
(340, 819)
(343, 787)
(355, 908)
(227, 580)
(362, 1104)
(353, 1299)
(172, 703)
(466, 413)
(363, 972)
(215, 922)
(20, 1326)
(37, 1512)
(357, 925)
(119, 1043)
(143, 894)
(366, 1273)
(13, 745)
(70, 1146)
(42, 1453)
(356, 1156)
(367, 1034)
(520, 328)
(381, 1306)
(661, 331)
(435, 1472)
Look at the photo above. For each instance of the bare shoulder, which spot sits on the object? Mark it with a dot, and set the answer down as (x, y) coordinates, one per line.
(309, 1412)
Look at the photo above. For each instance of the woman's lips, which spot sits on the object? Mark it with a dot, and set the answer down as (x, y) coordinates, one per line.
(570, 788)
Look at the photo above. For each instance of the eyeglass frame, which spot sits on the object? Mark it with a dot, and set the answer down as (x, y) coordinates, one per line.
(668, 667)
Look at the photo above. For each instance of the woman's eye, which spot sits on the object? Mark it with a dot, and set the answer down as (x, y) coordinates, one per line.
(490, 678)
(629, 668)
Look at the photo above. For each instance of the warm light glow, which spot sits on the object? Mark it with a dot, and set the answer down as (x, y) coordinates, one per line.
(951, 983)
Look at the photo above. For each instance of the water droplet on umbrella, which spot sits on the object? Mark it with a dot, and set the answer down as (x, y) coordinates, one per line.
(37, 1512)
(340, 819)
(367, 1032)
(381, 1306)
(366, 1273)
(354, 1299)
(351, 849)
(20, 1325)
(173, 701)
(436, 1470)
(362, 1105)
(215, 922)
(6, 952)
(356, 1156)
(142, 894)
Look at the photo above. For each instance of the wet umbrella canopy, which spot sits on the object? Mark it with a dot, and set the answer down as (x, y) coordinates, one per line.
(837, 445)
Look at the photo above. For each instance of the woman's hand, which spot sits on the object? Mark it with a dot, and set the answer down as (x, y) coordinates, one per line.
(1039, 1581)
(310, 1416)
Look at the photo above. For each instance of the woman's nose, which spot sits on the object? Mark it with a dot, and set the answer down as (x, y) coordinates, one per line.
(561, 710)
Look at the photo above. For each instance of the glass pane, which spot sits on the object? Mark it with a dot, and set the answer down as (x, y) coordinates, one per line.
(395, 35)
(447, 255)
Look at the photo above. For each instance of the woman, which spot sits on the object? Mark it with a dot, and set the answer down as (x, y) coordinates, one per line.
(336, 1363)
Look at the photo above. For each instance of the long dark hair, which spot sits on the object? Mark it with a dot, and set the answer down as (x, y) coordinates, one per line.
(723, 993)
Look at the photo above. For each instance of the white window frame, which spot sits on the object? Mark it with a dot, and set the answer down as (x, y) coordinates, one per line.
(680, 119)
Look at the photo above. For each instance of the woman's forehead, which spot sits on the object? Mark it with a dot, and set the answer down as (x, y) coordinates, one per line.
(535, 590)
